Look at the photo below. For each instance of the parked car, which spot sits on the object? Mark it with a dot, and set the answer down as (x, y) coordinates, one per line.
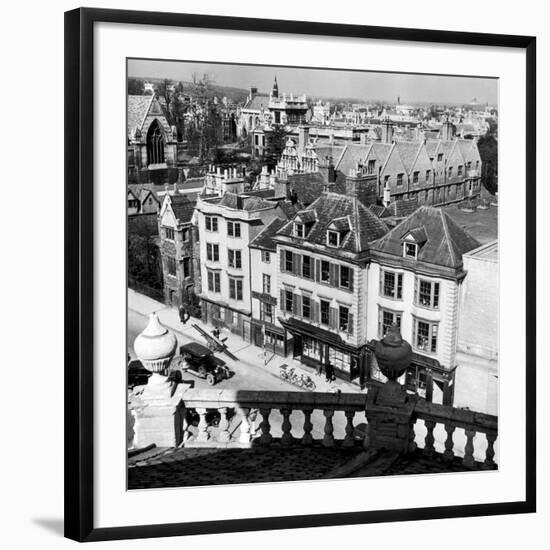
(138, 375)
(200, 361)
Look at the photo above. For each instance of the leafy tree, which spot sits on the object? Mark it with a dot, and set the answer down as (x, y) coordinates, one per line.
(488, 151)
(276, 139)
(135, 86)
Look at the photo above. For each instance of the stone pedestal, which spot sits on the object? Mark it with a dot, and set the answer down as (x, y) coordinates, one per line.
(389, 413)
(157, 410)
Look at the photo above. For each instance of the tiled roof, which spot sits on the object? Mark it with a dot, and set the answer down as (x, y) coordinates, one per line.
(264, 239)
(243, 202)
(138, 105)
(141, 190)
(183, 207)
(257, 102)
(352, 155)
(403, 208)
(365, 226)
(308, 187)
(380, 211)
(408, 151)
(445, 241)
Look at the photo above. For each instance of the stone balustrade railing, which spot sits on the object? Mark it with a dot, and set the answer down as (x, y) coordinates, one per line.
(254, 415)
(451, 419)
(256, 412)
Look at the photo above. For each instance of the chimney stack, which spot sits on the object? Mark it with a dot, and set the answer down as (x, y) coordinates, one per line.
(303, 138)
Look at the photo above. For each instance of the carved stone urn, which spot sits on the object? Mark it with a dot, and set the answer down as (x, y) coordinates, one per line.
(393, 355)
(156, 408)
(155, 347)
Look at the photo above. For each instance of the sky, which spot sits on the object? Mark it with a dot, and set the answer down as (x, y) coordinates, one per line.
(411, 88)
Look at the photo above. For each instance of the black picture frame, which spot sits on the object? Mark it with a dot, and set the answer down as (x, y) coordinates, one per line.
(79, 269)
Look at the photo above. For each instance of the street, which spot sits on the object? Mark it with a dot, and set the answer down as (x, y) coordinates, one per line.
(247, 377)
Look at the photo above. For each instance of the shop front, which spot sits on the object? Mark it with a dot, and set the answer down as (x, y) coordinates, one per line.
(317, 348)
(424, 377)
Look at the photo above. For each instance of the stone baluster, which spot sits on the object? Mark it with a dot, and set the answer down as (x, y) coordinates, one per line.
(223, 435)
(490, 452)
(185, 428)
(348, 440)
(468, 459)
(252, 421)
(265, 426)
(328, 439)
(245, 436)
(286, 437)
(449, 444)
(307, 438)
(412, 435)
(202, 434)
(429, 439)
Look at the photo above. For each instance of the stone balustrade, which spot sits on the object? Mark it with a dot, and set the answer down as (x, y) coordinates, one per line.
(254, 417)
(263, 417)
(452, 420)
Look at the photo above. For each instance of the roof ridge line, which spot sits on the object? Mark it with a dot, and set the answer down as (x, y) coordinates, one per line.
(447, 236)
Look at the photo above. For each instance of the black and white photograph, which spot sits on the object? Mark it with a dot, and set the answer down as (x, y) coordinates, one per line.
(312, 273)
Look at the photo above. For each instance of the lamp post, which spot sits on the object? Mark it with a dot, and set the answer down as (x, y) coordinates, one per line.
(157, 407)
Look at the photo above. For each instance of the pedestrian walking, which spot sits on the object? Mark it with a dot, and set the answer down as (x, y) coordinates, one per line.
(184, 316)
(329, 372)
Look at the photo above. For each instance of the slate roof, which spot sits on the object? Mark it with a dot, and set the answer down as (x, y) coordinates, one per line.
(402, 208)
(308, 187)
(365, 226)
(408, 151)
(138, 106)
(445, 241)
(183, 207)
(243, 202)
(264, 239)
(257, 102)
(141, 190)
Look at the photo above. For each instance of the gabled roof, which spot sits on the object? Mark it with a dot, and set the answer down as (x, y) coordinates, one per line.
(445, 242)
(257, 102)
(306, 216)
(138, 107)
(182, 207)
(418, 235)
(364, 225)
(264, 239)
(408, 151)
(340, 224)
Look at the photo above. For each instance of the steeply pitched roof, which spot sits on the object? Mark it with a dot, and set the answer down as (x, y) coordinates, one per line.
(408, 151)
(364, 225)
(264, 239)
(138, 105)
(183, 207)
(402, 208)
(445, 241)
(257, 102)
(308, 187)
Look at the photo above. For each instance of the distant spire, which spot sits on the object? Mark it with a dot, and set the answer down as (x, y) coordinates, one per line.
(275, 89)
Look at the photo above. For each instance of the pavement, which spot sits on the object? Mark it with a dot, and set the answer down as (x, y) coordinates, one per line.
(252, 372)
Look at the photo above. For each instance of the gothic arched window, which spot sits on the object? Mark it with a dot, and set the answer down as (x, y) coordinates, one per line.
(155, 144)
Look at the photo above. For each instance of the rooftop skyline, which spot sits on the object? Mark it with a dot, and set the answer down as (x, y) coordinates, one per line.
(364, 85)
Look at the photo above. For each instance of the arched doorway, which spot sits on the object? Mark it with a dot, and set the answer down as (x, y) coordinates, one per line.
(155, 144)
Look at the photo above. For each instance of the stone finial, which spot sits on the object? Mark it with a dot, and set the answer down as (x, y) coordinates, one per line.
(155, 347)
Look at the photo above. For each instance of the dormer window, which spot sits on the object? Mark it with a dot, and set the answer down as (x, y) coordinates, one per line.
(370, 167)
(333, 238)
(413, 240)
(410, 250)
(299, 230)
